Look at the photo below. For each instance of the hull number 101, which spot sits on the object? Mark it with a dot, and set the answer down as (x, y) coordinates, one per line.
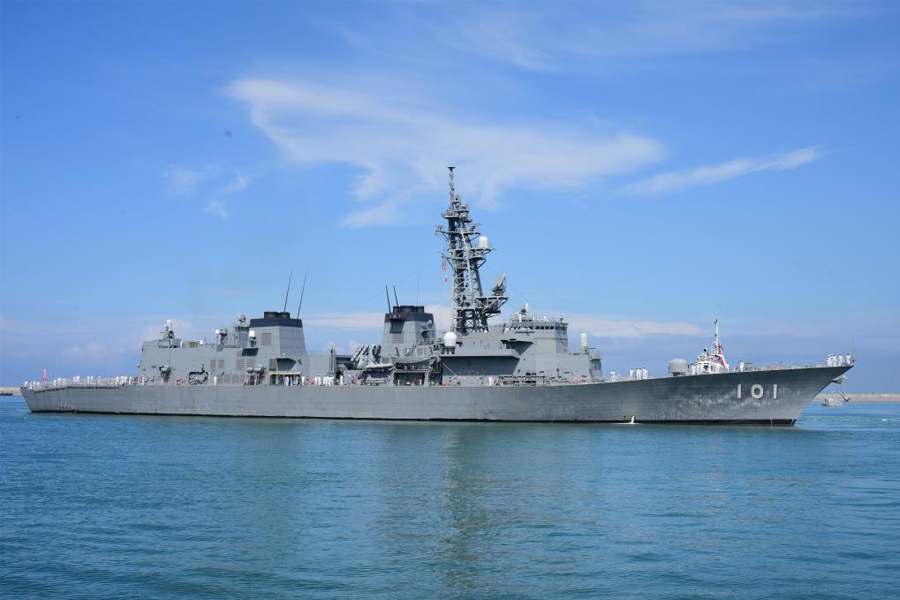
(757, 391)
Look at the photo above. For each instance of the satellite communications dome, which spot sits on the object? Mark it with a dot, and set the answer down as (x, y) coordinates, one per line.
(449, 340)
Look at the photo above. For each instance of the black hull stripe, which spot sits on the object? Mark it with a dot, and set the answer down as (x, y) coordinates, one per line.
(766, 422)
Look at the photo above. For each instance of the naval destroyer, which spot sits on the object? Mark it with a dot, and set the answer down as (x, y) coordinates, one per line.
(518, 369)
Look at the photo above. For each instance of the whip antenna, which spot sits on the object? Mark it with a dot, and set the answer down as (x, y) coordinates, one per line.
(286, 294)
(302, 291)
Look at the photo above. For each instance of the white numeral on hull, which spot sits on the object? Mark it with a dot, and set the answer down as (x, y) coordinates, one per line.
(757, 391)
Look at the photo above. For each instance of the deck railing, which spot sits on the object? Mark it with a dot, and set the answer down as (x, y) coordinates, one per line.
(80, 382)
(116, 382)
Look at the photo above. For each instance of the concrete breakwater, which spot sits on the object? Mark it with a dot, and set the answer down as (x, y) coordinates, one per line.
(860, 397)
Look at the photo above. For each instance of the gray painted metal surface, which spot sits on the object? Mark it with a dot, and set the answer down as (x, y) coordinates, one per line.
(520, 370)
(690, 399)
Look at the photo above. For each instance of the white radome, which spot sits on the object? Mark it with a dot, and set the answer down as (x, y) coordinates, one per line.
(449, 340)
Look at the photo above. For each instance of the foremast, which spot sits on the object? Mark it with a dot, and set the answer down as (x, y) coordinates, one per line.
(718, 348)
(471, 309)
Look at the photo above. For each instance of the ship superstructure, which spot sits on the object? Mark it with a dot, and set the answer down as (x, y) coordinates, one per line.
(482, 368)
(711, 361)
(271, 350)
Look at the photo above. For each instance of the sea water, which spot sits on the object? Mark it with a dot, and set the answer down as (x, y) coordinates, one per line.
(168, 507)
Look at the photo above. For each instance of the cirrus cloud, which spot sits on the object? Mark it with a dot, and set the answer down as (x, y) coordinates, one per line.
(183, 181)
(605, 327)
(402, 148)
(711, 174)
(217, 208)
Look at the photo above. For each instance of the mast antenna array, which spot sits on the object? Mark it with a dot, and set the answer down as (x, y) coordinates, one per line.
(471, 308)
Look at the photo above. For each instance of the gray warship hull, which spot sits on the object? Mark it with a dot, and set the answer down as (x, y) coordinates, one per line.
(522, 369)
(762, 397)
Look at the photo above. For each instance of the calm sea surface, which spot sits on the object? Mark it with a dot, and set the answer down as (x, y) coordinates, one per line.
(168, 507)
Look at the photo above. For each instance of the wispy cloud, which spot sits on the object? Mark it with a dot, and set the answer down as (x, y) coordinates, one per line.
(183, 329)
(403, 145)
(217, 208)
(354, 321)
(90, 351)
(347, 320)
(185, 182)
(239, 184)
(544, 37)
(201, 183)
(711, 174)
(598, 326)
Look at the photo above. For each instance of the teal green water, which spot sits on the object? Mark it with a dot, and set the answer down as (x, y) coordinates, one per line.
(168, 507)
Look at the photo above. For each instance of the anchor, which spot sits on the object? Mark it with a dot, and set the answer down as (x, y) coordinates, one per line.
(840, 381)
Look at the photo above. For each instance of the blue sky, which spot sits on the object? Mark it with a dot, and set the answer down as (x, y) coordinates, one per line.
(641, 169)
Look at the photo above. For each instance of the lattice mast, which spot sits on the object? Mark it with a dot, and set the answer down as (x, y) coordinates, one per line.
(471, 308)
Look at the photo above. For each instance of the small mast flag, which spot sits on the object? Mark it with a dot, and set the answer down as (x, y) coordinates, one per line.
(44, 375)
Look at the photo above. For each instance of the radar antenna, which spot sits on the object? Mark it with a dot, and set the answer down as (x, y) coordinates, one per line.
(471, 308)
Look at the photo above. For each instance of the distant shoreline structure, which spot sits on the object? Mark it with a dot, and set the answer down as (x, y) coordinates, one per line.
(861, 397)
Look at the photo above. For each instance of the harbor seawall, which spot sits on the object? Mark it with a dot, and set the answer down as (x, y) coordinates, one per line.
(861, 397)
